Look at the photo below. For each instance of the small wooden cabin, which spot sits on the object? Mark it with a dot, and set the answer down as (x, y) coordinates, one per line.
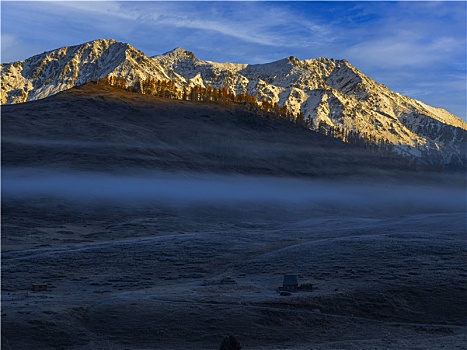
(290, 282)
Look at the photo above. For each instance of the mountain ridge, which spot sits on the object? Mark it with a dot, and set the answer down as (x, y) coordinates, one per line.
(333, 96)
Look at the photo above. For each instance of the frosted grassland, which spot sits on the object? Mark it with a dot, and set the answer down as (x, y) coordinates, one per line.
(137, 262)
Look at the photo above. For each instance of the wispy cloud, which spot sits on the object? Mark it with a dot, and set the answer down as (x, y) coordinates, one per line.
(403, 34)
(276, 27)
(14, 48)
(253, 22)
(392, 52)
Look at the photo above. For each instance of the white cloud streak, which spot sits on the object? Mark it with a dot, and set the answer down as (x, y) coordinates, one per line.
(255, 23)
(392, 52)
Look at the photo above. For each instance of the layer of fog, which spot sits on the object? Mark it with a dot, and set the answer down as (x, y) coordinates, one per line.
(76, 144)
(189, 189)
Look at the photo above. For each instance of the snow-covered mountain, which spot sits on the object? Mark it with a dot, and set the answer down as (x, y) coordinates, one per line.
(58, 70)
(331, 94)
(334, 93)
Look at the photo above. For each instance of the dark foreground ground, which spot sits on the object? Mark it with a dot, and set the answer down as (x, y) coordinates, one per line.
(106, 198)
(149, 276)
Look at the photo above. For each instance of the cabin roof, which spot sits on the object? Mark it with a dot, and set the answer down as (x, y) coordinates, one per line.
(290, 280)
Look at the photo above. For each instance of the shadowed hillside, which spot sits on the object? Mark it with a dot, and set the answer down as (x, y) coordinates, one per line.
(99, 127)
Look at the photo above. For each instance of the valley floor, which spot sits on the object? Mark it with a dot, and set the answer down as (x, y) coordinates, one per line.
(150, 275)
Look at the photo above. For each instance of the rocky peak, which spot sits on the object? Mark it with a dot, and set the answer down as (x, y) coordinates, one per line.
(50, 72)
(176, 56)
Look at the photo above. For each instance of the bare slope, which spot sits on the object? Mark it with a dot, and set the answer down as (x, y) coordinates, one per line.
(97, 127)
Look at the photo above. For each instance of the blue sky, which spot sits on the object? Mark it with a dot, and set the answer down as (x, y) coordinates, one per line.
(415, 48)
